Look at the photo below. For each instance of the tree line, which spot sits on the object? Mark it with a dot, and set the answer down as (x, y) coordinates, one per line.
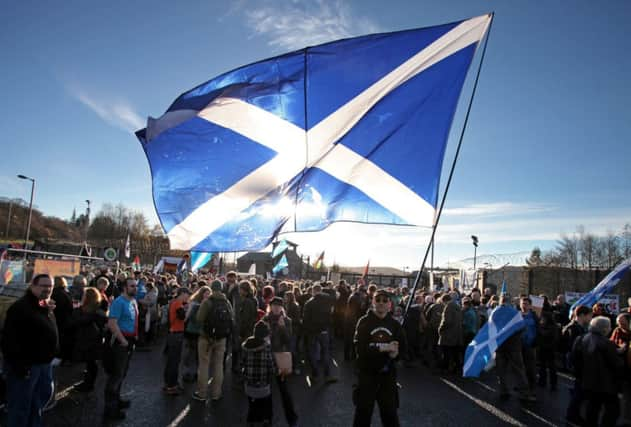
(585, 250)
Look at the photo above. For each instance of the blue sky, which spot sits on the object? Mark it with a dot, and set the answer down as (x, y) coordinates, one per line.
(546, 149)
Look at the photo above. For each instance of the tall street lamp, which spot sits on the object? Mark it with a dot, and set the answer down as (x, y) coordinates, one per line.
(30, 210)
(475, 253)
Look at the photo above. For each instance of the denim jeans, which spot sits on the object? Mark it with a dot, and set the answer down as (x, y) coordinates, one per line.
(116, 373)
(320, 352)
(26, 396)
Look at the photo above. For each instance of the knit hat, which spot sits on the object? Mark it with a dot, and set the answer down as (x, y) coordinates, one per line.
(261, 330)
(216, 285)
(277, 301)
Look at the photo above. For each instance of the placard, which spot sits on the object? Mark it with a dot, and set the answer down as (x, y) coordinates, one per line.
(56, 267)
(611, 301)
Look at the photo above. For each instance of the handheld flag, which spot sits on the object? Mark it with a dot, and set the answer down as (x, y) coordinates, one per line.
(252, 269)
(280, 248)
(199, 259)
(503, 322)
(136, 264)
(317, 135)
(504, 291)
(128, 248)
(365, 275)
(317, 264)
(281, 264)
(604, 287)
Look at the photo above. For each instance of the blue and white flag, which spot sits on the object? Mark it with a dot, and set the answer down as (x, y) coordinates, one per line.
(352, 130)
(281, 264)
(504, 291)
(280, 248)
(503, 322)
(604, 287)
(199, 259)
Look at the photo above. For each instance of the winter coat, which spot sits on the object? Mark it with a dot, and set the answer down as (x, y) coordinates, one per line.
(293, 312)
(280, 336)
(88, 329)
(318, 314)
(598, 366)
(248, 312)
(450, 329)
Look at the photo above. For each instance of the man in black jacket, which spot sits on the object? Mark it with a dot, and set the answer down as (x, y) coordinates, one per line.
(379, 340)
(316, 323)
(29, 343)
(356, 308)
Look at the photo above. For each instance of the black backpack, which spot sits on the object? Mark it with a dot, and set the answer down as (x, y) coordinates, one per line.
(219, 321)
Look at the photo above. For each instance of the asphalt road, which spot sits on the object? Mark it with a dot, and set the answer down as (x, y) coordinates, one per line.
(426, 400)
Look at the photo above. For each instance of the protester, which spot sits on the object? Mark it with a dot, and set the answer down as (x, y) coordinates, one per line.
(434, 315)
(356, 307)
(561, 310)
(598, 369)
(317, 322)
(248, 313)
(379, 340)
(192, 329)
(571, 332)
(123, 327)
(88, 327)
(293, 312)
(280, 338)
(102, 284)
(215, 316)
(63, 313)
(258, 371)
(175, 341)
(547, 340)
(29, 344)
(621, 337)
(529, 340)
(509, 360)
(450, 334)
(78, 285)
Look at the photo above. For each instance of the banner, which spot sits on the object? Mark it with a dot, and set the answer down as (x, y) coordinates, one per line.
(56, 267)
(11, 272)
(611, 301)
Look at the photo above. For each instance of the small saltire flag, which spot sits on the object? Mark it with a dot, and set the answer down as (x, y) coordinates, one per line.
(319, 135)
(252, 269)
(504, 291)
(365, 275)
(604, 287)
(199, 259)
(128, 248)
(503, 322)
(280, 265)
(317, 264)
(280, 248)
(136, 264)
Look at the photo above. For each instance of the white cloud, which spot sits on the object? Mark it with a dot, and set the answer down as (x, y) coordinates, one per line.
(498, 209)
(115, 111)
(296, 24)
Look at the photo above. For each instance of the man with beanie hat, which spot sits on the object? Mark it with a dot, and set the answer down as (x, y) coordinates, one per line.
(214, 316)
(258, 371)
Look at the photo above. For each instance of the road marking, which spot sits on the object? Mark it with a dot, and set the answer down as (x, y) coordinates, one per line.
(486, 406)
(308, 381)
(65, 392)
(180, 416)
(540, 418)
(334, 362)
(566, 376)
(488, 387)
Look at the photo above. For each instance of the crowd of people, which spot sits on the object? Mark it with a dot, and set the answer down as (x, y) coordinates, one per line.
(266, 330)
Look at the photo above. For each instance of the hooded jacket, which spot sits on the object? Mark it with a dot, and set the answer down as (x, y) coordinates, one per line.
(371, 333)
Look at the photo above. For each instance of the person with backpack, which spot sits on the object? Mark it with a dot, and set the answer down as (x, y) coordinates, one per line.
(215, 317)
(192, 329)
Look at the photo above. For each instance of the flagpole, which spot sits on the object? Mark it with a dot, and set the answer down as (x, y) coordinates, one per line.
(451, 173)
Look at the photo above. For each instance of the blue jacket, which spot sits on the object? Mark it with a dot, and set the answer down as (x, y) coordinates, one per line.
(529, 337)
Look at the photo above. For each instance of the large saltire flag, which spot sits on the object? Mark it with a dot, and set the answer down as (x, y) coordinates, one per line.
(352, 130)
(199, 259)
(503, 322)
(604, 287)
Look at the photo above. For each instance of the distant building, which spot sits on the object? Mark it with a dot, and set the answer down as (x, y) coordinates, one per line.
(265, 263)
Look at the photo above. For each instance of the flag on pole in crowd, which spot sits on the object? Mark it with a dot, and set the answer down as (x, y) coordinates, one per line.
(504, 291)
(503, 322)
(199, 259)
(280, 265)
(252, 269)
(280, 248)
(365, 275)
(318, 140)
(317, 264)
(136, 264)
(128, 248)
(604, 287)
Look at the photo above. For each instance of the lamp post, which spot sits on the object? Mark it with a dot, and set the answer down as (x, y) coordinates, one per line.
(475, 253)
(30, 210)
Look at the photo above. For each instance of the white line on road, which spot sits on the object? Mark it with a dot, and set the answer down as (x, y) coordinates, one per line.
(486, 406)
(180, 417)
(540, 418)
(488, 387)
(566, 376)
(334, 362)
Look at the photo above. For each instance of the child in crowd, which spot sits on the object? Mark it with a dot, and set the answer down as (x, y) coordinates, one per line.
(258, 372)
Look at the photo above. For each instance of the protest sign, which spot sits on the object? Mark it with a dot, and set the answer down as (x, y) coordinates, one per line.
(57, 267)
(611, 301)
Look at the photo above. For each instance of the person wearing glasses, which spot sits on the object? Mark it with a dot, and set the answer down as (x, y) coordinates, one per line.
(379, 339)
(123, 326)
(29, 344)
